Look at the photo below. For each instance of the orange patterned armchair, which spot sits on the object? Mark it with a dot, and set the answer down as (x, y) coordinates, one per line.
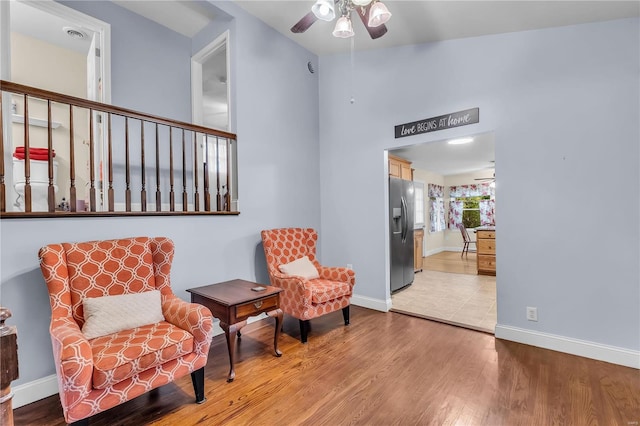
(311, 290)
(97, 373)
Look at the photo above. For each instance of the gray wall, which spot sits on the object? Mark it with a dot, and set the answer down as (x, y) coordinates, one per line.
(279, 172)
(564, 107)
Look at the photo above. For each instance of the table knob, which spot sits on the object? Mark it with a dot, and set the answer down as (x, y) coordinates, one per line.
(258, 304)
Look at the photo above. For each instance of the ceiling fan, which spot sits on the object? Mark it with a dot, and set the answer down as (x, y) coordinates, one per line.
(372, 13)
(488, 179)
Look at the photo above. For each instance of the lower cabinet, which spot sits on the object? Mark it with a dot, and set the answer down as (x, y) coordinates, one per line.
(486, 254)
(418, 237)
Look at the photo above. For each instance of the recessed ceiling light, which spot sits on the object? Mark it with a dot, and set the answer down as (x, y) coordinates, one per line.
(74, 33)
(459, 141)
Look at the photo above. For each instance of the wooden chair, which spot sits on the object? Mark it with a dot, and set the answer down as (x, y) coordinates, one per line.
(306, 298)
(99, 369)
(466, 240)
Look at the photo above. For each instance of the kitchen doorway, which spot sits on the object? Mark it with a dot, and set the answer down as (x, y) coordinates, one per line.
(448, 288)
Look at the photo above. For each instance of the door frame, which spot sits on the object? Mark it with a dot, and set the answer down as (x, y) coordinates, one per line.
(78, 18)
(197, 60)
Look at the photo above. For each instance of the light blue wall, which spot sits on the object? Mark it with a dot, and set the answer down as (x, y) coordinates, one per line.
(564, 105)
(276, 105)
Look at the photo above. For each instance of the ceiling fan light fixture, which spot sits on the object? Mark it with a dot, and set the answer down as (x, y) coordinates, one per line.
(343, 28)
(459, 141)
(324, 10)
(378, 14)
(361, 3)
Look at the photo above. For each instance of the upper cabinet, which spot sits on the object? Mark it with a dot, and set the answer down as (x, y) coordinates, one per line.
(400, 168)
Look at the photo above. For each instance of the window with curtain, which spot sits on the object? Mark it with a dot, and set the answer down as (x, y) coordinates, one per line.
(471, 205)
(436, 207)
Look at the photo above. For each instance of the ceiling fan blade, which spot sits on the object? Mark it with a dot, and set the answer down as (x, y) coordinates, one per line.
(374, 32)
(485, 179)
(303, 24)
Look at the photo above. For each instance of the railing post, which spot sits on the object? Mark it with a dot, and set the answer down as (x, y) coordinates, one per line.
(172, 196)
(27, 160)
(8, 366)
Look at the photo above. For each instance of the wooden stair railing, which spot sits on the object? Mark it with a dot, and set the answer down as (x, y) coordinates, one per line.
(118, 161)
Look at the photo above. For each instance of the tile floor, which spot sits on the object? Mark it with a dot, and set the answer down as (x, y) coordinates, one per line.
(459, 299)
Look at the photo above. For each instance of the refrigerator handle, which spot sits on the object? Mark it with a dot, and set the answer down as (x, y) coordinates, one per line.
(404, 219)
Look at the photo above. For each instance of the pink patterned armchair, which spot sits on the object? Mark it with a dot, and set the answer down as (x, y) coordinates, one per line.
(306, 298)
(95, 374)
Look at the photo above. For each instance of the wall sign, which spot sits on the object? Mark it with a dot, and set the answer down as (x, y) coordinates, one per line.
(447, 121)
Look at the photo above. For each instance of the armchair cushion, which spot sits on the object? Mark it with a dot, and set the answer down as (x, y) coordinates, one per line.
(325, 290)
(110, 314)
(121, 355)
(301, 267)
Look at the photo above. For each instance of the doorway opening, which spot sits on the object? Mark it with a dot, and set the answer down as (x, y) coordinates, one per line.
(459, 184)
(210, 97)
(53, 47)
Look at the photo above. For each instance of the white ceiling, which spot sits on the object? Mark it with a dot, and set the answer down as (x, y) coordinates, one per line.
(417, 21)
(186, 17)
(441, 158)
(33, 22)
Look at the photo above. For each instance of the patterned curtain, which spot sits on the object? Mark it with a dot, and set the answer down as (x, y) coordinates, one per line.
(473, 190)
(487, 212)
(455, 213)
(436, 207)
(434, 190)
(436, 214)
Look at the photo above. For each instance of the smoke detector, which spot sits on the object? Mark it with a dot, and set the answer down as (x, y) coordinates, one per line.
(75, 33)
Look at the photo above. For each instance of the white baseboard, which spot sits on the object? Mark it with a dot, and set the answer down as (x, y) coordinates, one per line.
(33, 391)
(368, 302)
(612, 354)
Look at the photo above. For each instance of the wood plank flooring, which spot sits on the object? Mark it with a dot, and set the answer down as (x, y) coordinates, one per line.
(450, 261)
(383, 369)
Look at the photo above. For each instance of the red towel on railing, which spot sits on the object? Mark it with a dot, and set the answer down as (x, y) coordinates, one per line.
(38, 154)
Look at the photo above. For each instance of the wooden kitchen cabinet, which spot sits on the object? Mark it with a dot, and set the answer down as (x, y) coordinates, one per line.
(418, 237)
(400, 168)
(486, 253)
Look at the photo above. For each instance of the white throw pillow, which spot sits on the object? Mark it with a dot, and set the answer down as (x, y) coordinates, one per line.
(110, 314)
(301, 267)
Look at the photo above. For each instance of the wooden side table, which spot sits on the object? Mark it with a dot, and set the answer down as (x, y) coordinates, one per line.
(233, 302)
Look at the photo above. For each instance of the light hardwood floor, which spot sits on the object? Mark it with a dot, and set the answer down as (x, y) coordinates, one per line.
(383, 369)
(449, 290)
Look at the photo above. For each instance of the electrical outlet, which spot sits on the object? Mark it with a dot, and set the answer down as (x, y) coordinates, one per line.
(349, 266)
(532, 313)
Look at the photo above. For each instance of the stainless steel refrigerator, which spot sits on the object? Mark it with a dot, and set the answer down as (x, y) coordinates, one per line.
(401, 212)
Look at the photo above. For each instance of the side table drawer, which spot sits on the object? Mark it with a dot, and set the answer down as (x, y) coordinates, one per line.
(486, 246)
(257, 307)
(486, 264)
